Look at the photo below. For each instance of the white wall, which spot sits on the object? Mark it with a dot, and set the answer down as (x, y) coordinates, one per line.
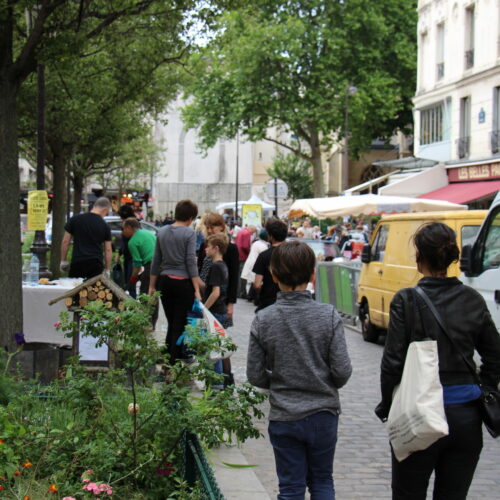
(477, 82)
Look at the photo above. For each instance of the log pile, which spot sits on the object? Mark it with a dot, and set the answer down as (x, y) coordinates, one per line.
(95, 292)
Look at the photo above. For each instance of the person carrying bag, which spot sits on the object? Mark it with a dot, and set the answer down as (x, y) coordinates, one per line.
(453, 458)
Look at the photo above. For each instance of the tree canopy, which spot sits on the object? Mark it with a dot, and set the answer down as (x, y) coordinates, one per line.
(290, 65)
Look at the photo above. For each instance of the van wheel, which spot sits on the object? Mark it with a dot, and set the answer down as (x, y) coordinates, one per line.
(369, 331)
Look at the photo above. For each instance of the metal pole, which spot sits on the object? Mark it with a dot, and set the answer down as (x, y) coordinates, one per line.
(276, 195)
(237, 175)
(345, 162)
(40, 246)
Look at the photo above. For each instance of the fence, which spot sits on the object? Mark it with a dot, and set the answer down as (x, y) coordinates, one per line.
(337, 283)
(197, 470)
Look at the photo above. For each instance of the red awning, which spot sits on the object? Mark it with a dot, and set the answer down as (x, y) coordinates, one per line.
(463, 192)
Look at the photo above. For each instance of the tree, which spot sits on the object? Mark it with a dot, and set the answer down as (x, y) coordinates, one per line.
(62, 32)
(291, 64)
(295, 172)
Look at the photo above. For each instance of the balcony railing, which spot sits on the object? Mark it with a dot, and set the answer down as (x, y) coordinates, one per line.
(463, 147)
(469, 58)
(439, 71)
(495, 141)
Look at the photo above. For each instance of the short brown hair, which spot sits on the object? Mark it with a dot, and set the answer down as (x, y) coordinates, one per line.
(292, 263)
(185, 210)
(219, 240)
(132, 222)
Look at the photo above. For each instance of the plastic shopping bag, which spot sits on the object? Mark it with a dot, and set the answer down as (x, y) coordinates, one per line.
(416, 418)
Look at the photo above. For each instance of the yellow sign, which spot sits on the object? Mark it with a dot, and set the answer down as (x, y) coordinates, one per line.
(38, 208)
(251, 215)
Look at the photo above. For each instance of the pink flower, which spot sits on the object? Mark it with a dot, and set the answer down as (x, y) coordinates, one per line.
(57, 324)
(69, 498)
(86, 480)
(90, 487)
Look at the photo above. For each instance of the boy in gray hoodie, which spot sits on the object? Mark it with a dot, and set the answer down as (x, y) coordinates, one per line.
(297, 350)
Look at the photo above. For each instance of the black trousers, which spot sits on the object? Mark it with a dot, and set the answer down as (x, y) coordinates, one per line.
(177, 298)
(85, 268)
(453, 458)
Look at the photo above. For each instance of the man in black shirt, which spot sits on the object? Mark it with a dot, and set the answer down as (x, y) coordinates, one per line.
(88, 231)
(264, 284)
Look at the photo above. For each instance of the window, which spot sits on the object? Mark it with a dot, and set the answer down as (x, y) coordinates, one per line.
(469, 36)
(495, 132)
(440, 52)
(431, 124)
(491, 247)
(465, 118)
(469, 234)
(380, 244)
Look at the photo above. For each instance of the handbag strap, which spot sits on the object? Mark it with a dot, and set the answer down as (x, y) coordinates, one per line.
(440, 322)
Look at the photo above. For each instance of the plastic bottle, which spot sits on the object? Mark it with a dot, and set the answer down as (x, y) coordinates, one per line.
(34, 270)
(26, 271)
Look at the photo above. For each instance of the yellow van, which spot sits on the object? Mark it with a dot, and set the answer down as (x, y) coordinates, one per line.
(389, 261)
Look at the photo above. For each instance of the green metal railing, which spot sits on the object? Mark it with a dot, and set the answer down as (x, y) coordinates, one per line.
(197, 470)
(337, 283)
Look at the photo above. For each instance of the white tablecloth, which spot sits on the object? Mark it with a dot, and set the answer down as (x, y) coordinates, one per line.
(39, 317)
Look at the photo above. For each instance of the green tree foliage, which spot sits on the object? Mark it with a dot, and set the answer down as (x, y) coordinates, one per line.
(295, 172)
(289, 64)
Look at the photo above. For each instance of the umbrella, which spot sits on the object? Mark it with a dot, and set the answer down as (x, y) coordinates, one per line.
(341, 206)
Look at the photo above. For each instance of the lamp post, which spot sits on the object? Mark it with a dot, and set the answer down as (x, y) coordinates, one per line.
(237, 176)
(40, 246)
(345, 159)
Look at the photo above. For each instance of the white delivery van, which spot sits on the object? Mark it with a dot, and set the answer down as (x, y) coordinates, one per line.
(480, 262)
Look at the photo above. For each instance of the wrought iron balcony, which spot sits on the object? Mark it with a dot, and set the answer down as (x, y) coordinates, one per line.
(463, 147)
(495, 141)
(469, 58)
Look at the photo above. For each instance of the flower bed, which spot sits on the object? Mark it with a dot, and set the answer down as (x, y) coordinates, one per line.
(124, 433)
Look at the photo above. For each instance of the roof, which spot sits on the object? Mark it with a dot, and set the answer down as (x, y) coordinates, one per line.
(406, 163)
(428, 216)
(101, 277)
(463, 192)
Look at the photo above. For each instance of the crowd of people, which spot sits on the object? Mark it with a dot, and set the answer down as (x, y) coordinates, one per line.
(297, 347)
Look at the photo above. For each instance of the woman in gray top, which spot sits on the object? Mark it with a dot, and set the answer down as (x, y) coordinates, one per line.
(175, 274)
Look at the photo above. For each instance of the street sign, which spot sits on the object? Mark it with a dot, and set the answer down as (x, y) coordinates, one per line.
(281, 189)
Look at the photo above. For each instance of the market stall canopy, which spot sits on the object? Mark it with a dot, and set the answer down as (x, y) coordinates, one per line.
(254, 200)
(341, 206)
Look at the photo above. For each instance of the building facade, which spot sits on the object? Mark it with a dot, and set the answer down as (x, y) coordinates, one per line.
(457, 100)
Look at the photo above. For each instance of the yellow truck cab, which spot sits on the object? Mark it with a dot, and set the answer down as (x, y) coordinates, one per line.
(389, 261)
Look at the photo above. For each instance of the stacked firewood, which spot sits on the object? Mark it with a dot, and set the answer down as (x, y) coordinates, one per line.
(97, 292)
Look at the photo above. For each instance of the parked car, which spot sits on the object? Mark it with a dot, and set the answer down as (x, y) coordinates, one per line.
(480, 261)
(389, 261)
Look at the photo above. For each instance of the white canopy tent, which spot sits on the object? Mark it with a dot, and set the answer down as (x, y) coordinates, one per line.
(342, 206)
(254, 200)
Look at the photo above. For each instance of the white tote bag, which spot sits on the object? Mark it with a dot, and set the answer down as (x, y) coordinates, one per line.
(214, 327)
(416, 418)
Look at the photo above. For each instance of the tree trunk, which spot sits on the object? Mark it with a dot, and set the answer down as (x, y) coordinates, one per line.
(77, 192)
(317, 166)
(58, 210)
(11, 299)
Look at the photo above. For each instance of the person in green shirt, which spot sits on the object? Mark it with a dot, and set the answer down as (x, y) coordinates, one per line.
(142, 247)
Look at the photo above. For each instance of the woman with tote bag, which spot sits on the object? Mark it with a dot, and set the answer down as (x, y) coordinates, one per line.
(454, 457)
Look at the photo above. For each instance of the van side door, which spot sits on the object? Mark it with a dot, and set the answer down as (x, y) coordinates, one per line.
(376, 292)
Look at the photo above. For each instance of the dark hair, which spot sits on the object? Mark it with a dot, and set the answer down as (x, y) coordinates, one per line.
(263, 235)
(436, 245)
(292, 263)
(126, 211)
(185, 210)
(219, 240)
(277, 229)
(132, 222)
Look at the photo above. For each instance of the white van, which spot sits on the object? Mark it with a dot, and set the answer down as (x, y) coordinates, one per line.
(480, 262)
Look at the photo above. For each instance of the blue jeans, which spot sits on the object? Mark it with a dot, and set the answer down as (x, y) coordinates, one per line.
(304, 450)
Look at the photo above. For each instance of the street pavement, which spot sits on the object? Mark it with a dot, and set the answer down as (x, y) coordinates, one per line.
(362, 458)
